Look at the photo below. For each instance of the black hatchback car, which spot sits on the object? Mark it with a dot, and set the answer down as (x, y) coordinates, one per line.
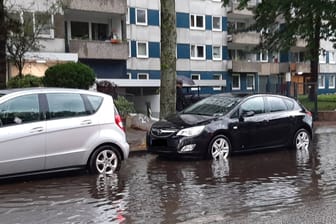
(221, 124)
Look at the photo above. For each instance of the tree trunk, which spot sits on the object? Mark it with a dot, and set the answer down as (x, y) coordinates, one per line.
(3, 37)
(168, 58)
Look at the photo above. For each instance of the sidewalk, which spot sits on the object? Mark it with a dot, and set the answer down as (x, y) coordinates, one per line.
(137, 138)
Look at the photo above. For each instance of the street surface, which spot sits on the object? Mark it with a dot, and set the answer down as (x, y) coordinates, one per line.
(283, 186)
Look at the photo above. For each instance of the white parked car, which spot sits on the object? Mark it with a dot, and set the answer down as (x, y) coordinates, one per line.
(56, 129)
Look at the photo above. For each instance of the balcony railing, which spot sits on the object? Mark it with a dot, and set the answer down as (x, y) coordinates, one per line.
(99, 49)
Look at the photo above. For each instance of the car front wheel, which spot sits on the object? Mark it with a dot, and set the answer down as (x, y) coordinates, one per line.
(105, 160)
(301, 140)
(219, 147)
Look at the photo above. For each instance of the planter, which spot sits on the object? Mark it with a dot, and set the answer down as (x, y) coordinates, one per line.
(327, 115)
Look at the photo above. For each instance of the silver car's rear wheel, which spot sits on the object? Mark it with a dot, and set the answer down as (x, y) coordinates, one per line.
(105, 160)
(301, 140)
(220, 147)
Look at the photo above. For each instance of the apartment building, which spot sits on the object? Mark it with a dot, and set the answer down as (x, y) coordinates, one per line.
(91, 32)
(263, 71)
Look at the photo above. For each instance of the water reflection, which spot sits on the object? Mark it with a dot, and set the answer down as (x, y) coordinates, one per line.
(153, 190)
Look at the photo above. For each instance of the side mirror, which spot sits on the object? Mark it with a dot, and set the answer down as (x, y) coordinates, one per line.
(244, 114)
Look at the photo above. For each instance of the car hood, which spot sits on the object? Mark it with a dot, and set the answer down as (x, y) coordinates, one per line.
(179, 121)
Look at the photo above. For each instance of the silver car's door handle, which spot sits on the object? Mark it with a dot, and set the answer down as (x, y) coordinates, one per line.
(85, 122)
(36, 130)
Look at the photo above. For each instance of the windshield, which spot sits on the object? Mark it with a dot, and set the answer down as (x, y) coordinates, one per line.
(213, 106)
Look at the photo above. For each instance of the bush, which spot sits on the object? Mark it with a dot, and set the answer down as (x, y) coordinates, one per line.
(124, 106)
(69, 75)
(24, 81)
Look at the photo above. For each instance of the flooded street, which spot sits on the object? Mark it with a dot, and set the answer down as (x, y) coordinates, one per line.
(283, 186)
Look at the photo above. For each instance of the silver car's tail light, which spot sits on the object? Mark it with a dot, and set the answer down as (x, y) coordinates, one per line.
(119, 122)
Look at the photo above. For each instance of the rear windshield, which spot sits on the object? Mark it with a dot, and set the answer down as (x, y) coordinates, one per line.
(213, 106)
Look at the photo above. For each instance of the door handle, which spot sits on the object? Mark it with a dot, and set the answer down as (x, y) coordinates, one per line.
(85, 122)
(36, 130)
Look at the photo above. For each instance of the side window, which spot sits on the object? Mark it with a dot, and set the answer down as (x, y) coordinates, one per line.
(64, 105)
(20, 110)
(276, 104)
(95, 102)
(255, 104)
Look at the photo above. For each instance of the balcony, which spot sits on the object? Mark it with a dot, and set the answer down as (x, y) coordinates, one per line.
(245, 66)
(273, 68)
(99, 49)
(240, 39)
(234, 13)
(262, 68)
(111, 6)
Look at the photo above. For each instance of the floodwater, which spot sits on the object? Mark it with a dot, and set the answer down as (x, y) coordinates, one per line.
(244, 189)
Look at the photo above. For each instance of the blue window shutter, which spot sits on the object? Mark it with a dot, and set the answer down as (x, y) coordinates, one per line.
(182, 20)
(132, 15)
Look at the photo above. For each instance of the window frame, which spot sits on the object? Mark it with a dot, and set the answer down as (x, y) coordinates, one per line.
(137, 48)
(253, 81)
(195, 77)
(321, 78)
(332, 79)
(142, 74)
(239, 81)
(219, 58)
(196, 46)
(193, 20)
(136, 17)
(220, 23)
(220, 77)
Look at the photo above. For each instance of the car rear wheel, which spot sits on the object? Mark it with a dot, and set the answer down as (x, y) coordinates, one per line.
(301, 140)
(105, 160)
(219, 147)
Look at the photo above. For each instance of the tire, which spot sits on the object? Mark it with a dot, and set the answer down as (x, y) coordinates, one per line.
(219, 147)
(301, 140)
(105, 160)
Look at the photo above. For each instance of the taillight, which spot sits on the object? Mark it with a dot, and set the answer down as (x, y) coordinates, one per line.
(119, 122)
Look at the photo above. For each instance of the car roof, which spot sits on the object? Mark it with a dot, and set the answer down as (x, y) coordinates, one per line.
(45, 90)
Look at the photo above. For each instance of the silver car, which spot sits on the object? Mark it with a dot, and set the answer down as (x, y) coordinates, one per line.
(56, 129)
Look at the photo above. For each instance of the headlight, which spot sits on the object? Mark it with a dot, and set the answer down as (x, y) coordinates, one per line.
(191, 131)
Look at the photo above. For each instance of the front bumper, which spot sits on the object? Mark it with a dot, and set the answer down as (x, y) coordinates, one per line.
(176, 145)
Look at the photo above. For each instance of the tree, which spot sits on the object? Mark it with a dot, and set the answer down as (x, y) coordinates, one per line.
(25, 36)
(290, 20)
(3, 37)
(168, 58)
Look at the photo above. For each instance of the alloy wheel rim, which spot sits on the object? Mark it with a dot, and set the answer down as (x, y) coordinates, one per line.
(220, 149)
(106, 162)
(302, 141)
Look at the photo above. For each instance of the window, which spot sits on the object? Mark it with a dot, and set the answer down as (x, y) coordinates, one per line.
(142, 49)
(142, 76)
(235, 82)
(65, 105)
(264, 56)
(22, 109)
(322, 56)
(276, 104)
(197, 22)
(79, 30)
(216, 53)
(321, 81)
(43, 24)
(331, 81)
(99, 31)
(217, 77)
(197, 52)
(95, 102)
(141, 16)
(250, 82)
(216, 23)
(255, 104)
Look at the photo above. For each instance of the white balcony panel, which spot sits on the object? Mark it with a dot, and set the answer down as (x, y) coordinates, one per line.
(143, 64)
(111, 6)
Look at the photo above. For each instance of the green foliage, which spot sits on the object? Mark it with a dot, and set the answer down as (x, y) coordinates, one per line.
(69, 75)
(24, 81)
(124, 106)
(324, 102)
